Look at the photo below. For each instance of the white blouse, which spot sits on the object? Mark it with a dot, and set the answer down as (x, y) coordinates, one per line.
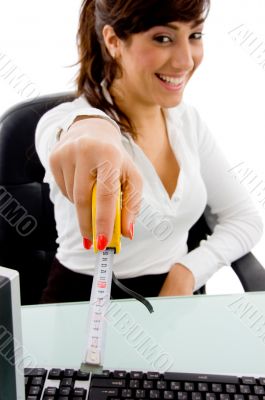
(161, 229)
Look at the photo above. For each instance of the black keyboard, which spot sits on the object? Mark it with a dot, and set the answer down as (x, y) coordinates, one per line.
(70, 384)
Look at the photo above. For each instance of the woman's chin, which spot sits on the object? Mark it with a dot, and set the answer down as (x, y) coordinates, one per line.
(171, 104)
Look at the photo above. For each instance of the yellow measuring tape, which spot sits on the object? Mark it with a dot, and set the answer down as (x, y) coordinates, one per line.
(115, 242)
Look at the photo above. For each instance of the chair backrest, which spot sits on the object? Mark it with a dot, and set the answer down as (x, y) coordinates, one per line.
(27, 226)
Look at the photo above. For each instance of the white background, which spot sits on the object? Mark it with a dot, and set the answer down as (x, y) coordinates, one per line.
(38, 39)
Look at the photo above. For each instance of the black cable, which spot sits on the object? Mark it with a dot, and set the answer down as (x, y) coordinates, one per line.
(131, 293)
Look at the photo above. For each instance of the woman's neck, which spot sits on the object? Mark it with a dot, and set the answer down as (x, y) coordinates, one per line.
(147, 120)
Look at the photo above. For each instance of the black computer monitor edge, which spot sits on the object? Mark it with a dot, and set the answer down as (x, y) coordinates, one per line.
(11, 346)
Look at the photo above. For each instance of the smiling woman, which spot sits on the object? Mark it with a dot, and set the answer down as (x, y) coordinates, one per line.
(129, 125)
(153, 19)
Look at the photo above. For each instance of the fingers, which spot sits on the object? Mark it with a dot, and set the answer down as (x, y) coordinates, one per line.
(77, 166)
(68, 176)
(105, 211)
(107, 176)
(82, 196)
(108, 185)
(131, 199)
(63, 173)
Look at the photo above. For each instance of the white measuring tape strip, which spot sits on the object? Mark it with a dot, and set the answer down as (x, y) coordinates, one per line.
(99, 302)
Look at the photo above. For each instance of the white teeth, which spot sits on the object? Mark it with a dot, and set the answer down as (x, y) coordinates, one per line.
(170, 79)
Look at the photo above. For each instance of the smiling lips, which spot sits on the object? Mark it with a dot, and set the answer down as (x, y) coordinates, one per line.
(174, 82)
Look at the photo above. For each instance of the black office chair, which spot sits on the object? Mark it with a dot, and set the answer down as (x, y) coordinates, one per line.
(27, 226)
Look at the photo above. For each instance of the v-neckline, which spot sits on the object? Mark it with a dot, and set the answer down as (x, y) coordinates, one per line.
(177, 190)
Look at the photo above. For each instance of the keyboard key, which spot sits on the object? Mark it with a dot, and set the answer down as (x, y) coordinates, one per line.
(210, 396)
(196, 396)
(102, 394)
(35, 372)
(216, 387)
(230, 388)
(153, 375)
(245, 389)
(81, 392)
(175, 385)
(247, 380)
(50, 391)
(37, 381)
(119, 374)
(134, 384)
(239, 397)
(182, 395)
(161, 385)
(173, 376)
(262, 381)
(106, 372)
(140, 393)
(34, 390)
(103, 374)
(252, 397)
(168, 394)
(64, 391)
(148, 384)
(67, 382)
(108, 383)
(202, 387)
(126, 393)
(69, 373)
(259, 390)
(225, 396)
(55, 373)
(136, 375)
(82, 376)
(189, 386)
(154, 394)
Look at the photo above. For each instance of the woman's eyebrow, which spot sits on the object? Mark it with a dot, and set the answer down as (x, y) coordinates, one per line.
(198, 22)
(194, 24)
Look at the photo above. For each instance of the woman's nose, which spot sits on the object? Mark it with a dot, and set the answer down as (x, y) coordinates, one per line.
(182, 57)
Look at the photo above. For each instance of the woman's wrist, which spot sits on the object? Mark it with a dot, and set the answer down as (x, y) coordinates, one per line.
(61, 132)
(179, 282)
(105, 118)
(182, 275)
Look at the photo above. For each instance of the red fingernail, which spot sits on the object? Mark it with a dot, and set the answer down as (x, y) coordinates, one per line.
(87, 243)
(101, 242)
(131, 230)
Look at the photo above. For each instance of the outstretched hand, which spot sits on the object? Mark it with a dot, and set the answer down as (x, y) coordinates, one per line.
(91, 152)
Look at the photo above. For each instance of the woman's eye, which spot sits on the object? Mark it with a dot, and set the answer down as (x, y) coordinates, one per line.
(197, 35)
(163, 39)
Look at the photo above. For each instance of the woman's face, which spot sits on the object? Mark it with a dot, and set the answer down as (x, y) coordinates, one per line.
(157, 64)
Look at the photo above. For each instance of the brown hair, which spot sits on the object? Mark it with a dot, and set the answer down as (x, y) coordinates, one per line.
(126, 17)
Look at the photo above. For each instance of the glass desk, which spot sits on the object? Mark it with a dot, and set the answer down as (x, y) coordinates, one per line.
(211, 334)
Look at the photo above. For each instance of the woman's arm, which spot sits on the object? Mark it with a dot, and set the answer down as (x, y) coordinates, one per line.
(89, 149)
(239, 225)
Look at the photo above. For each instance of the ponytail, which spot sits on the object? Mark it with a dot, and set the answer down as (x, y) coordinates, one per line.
(96, 64)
